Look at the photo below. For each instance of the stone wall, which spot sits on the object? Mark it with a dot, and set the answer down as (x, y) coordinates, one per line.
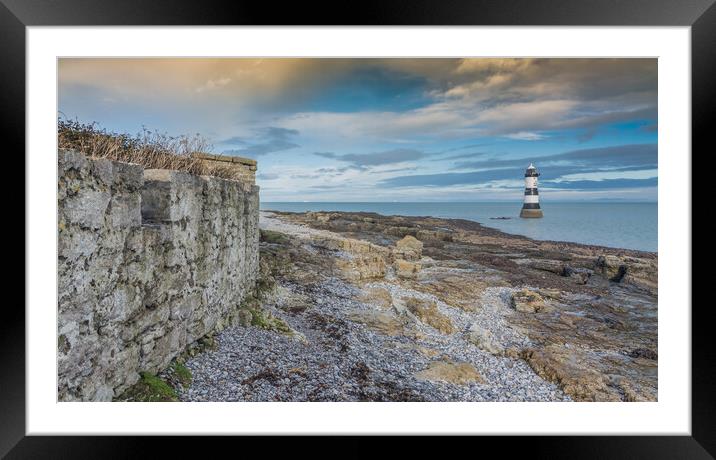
(149, 261)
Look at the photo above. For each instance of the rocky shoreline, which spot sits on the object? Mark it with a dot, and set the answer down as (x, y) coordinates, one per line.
(364, 307)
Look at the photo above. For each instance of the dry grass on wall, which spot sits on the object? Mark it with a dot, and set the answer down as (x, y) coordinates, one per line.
(151, 149)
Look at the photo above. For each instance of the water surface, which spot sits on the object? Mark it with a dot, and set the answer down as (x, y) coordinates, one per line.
(619, 225)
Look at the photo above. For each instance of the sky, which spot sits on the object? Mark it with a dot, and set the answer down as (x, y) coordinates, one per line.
(400, 129)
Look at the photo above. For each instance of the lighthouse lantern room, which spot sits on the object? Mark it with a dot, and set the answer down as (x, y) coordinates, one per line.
(530, 207)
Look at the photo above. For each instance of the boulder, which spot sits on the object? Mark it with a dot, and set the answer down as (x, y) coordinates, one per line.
(611, 267)
(357, 268)
(409, 248)
(485, 340)
(355, 259)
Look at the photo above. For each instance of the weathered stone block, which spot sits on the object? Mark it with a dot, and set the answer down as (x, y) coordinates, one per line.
(70, 159)
(87, 208)
(125, 210)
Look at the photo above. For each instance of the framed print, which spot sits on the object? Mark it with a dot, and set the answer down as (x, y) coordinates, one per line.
(478, 226)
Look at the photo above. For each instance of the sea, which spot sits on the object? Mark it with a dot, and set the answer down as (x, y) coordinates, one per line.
(612, 224)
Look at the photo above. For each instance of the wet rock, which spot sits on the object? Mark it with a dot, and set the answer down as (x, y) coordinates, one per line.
(640, 272)
(579, 275)
(611, 267)
(643, 353)
(451, 372)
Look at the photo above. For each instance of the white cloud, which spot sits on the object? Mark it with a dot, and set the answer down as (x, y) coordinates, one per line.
(607, 175)
(213, 84)
(526, 136)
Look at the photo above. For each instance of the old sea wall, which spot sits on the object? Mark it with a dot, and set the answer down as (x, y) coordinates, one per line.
(149, 261)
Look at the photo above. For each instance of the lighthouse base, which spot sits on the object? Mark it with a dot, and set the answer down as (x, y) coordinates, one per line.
(531, 213)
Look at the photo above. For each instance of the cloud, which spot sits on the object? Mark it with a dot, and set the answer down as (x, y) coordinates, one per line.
(381, 120)
(604, 184)
(526, 136)
(270, 140)
(641, 155)
(628, 173)
(267, 176)
(454, 178)
(515, 95)
(235, 140)
(496, 81)
(338, 171)
(462, 97)
(586, 135)
(213, 84)
(377, 158)
(554, 169)
(461, 156)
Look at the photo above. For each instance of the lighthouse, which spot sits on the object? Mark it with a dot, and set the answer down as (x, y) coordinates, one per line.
(530, 207)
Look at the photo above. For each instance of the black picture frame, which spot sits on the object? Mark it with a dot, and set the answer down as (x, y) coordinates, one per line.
(700, 15)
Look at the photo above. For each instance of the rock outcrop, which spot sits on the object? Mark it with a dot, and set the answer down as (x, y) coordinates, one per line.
(581, 317)
(149, 261)
(384, 322)
(628, 270)
(356, 259)
(451, 372)
(427, 312)
(527, 301)
(406, 255)
(485, 340)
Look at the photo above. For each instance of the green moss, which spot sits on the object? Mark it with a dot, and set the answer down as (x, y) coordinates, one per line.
(63, 344)
(181, 373)
(267, 321)
(150, 388)
(269, 236)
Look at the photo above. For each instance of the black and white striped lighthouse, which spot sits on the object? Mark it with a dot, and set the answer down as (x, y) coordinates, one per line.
(530, 207)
